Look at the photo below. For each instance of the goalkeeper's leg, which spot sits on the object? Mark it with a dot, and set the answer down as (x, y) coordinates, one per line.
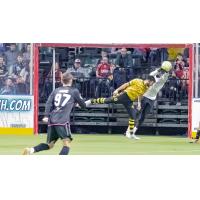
(146, 106)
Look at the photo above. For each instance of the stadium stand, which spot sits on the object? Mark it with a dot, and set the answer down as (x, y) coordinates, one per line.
(14, 68)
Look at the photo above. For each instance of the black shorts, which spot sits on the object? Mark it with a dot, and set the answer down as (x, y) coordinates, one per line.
(146, 101)
(128, 104)
(55, 132)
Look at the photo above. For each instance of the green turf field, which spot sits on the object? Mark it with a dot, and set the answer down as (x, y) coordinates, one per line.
(105, 145)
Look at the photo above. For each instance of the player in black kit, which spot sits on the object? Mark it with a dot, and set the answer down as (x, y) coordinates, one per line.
(57, 114)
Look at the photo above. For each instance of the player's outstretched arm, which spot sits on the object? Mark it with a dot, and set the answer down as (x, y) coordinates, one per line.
(79, 99)
(155, 72)
(121, 88)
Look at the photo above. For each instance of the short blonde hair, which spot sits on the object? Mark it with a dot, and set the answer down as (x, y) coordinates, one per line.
(67, 77)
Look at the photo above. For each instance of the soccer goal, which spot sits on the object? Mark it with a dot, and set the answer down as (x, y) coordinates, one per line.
(77, 49)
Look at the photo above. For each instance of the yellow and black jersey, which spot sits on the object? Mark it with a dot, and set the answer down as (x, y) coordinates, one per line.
(135, 89)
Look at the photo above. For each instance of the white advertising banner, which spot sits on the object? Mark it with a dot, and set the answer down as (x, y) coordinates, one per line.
(16, 111)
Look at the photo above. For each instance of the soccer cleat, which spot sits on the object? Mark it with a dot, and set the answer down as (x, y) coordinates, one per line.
(133, 136)
(128, 135)
(27, 151)
(88, 103)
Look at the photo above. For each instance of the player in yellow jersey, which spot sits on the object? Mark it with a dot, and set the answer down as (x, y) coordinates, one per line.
(126, 94)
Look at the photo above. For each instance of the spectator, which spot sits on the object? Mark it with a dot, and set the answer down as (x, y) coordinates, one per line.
(179, 66)
(3, 71)
(9, 88)
(182, 73)
(2, 48)
(16, 68)
(25, 72)
(154, 57)
(124, 68)
(124, 60)
(27, 53)
(170, 90)
(25, 75)
(77, 70)
(163, 54)
(81, 77)
(104, 77)
(20, 86)
(11, 56)
(49, 79)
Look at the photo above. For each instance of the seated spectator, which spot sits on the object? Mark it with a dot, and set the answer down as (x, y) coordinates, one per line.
(20, 86)
(16, 68)
(77, 70)
(81, 77)
(104, 76)
(25, 72)
(25, 75)
(124, 68)
(49, 80)
(181, 72)
(11, 56)
(170, 90)
(3, 71)
(179, 62)
(9, 88)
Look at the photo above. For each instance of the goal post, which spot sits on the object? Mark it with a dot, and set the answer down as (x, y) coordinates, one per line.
(194, 98)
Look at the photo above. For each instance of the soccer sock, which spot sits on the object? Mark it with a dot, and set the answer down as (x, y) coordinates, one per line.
(41, 147)
(64, 151)
(98, 101)
(93, 101)
(131, 125)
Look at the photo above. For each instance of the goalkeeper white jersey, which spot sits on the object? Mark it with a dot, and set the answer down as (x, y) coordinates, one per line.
(152, 92)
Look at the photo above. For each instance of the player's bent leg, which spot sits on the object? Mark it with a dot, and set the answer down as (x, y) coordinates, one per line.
(38, 148)
(132, 113)
(66, 147)
(146, 107)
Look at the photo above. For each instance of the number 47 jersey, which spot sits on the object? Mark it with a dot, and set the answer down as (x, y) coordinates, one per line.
(60, 104)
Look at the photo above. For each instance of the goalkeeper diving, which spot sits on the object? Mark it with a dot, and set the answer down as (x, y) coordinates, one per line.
(161, 75)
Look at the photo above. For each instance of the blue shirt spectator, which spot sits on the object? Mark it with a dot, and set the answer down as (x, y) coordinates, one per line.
(9, 88)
